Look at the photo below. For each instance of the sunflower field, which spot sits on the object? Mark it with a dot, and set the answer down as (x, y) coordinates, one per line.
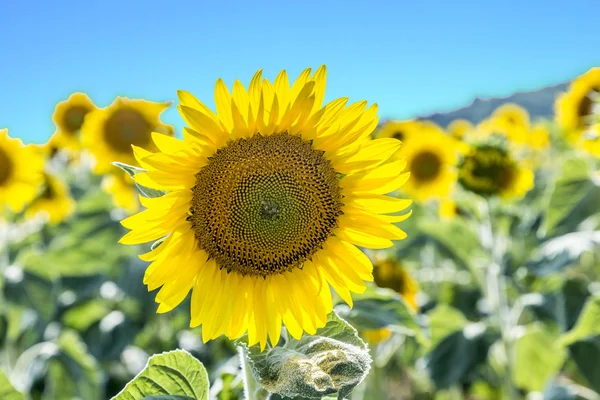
(281, 247)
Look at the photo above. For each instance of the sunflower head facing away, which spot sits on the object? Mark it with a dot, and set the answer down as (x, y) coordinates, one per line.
(489, 170)
(269, 199)
(21, 170)
(54, 201)
(577, 108)
(110, 132)
(431, 159)
(68, 117)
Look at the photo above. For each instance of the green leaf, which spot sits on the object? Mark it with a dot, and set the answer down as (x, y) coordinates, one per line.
(334, 360)
(586, 354)
(168, 397)
(538, 358)
(7, 391)
(444, 320)
(132, 171)
(171, 373)
(382, 308)
(574, 198)
(587, 325)
(30, 289)
(458, 354)
(562, 251)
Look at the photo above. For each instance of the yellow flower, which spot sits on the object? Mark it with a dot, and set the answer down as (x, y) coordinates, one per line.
(538, 138)
(591, 140)
(490, 170)
(390, 274)
(122, 189)
(68, 117)
(574, 108)
(401, 130)
(21, 170)
(54, 201)
(509, 121)
(460, 128)
(431, 160)
(109, 132)
(269, 198)
(448, 209)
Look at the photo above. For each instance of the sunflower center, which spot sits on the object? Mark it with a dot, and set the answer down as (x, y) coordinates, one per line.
(126, 127)
(6, 166)
(398, 135)
(425, 166)
(74, 117)
(264, 205)
(488, 171)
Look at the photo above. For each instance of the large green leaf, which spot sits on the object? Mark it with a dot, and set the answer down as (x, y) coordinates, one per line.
(381, 308)
(334, 360)
(171, 373)
(538, 358)
(562, 251)
(444, 320)
(587, 325)
(7, 391)
(574, 198)
(458, 354)
(132, 171)
(586, 354)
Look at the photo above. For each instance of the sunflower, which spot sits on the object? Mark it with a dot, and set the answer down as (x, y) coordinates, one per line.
(591, 140)
(459, 128)
(447, 209)
(122, 189)
(110, 132)
(538, 137)
(401, 130)
(268, 199)
(68, 117)
(574, 108)
(509, 121)
(21, 170)
(390, 274)
(54, 201)
(431, 159)
(490, 170)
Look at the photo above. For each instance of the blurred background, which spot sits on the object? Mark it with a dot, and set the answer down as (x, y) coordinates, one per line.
(494, 295)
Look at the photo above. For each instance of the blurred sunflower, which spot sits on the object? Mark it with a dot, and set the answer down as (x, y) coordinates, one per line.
(448, 209)
(110, 132)
(431, 160)
(490, 170)
(390, 274)
(54, 201)
(401, 130)
(538, 138)
(509, 121)
(575, 107)
(269, 198)
(591, 140)
(459, 128)
(21, 170)
(68, 117)
(122, 189)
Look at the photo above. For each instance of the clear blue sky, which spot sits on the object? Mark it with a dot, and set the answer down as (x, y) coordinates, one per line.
(410, 57)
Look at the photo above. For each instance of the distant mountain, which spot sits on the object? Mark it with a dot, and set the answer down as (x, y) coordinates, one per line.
(539, 104)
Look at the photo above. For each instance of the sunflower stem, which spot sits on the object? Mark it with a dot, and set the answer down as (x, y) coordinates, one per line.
(252, 389)
(497, 297)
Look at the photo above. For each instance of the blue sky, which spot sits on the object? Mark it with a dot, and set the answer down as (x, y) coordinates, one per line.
(410, 57)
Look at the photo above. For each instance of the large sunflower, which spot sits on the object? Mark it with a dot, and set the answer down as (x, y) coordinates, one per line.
(21, 170)
(54, 201)
(110, 132)
(68, 117)
(269, 198)
(574, 108)
(489, 170)
(431, 160)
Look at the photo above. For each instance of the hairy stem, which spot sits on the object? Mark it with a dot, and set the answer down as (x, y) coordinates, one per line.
(252, 389)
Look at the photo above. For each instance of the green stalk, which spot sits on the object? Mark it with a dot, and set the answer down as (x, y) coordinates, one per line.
(497, 299)
(252, 389)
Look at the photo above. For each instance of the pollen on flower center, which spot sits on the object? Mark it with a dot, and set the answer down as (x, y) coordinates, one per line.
(488, 170)
(125, 127)
(425, 166)
(264, 205)
(74, 117)
(6, 166)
